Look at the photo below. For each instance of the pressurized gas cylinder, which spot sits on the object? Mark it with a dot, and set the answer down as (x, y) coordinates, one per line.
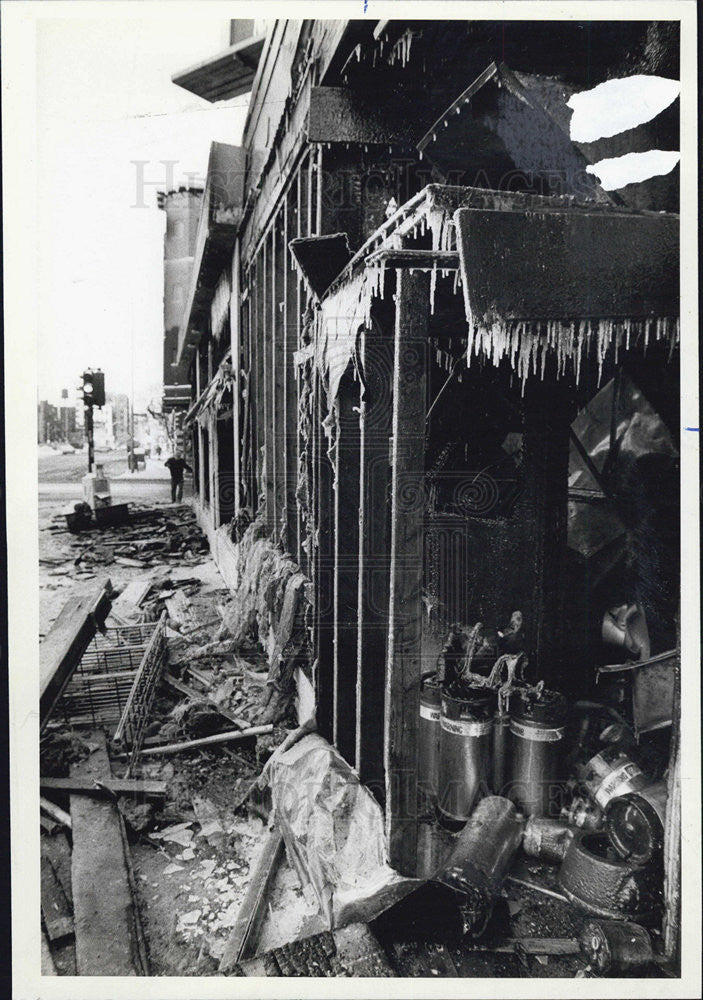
(635, 823)
(614, 947)
(428, 739)
(537, 730)
(500, 753)
(611, 773)
(466, 733)
(479, 862)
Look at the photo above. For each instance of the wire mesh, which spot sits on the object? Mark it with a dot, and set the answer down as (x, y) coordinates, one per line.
(99, 691)
(135, 715)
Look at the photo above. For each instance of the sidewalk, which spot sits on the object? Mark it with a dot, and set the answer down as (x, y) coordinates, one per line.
(154, 471)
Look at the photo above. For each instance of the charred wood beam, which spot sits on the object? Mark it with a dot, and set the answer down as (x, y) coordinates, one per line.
(376, 357)
(422, 260)
(66, 641)
(404, 665)
(242, 940)
(151, 791)
(346, 565)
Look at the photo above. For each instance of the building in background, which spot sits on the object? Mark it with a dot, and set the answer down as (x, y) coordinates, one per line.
(182, 209)
(119, 401)
(104, 428)
(48, 423)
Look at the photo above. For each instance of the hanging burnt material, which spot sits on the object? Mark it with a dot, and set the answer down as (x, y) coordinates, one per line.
(466, 729)
(479, 862)
(616, 947)
(537, 727)
(547, 839)
(595, 880)
(609, 774)
(635, 823)
(429, 736)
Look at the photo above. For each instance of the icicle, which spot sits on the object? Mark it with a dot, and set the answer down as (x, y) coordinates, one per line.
(433, 286)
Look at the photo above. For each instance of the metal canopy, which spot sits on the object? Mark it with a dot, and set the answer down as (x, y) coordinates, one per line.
(226, 75)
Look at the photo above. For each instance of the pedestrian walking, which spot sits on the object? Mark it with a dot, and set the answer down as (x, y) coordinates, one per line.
(176, 465)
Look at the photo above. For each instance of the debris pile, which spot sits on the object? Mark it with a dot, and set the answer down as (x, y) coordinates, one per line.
(151, 536)
(269, 612)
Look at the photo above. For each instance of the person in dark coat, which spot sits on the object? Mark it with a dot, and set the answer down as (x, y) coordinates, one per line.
(176, 465)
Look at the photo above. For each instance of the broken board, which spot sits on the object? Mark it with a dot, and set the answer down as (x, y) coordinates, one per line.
(67, 640)
(107, 927)
(126, 608)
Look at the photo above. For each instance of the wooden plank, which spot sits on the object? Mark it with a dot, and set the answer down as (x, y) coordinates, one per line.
(267, 343)
(55, 908)
(242, 940)
(125, 608)
(375, 419)
(346, 565)
(105, 913)
(205, 741)
(149, 790)
(290, 396)
(530, 945)
(441, 260)
(47, 962)
(323, 565)
(58, 814)
(404, 667)
(67, 640)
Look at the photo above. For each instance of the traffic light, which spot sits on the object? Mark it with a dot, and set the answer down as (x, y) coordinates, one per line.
(94, 388)
(99, 388)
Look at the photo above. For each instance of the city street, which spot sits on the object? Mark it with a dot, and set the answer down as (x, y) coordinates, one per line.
(60, 478)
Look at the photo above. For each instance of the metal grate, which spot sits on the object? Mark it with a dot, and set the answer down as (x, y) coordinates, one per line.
(101, 692)
(135, 715)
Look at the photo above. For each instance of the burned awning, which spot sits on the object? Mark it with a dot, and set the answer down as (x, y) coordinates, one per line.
(210, 399)
(566, 281)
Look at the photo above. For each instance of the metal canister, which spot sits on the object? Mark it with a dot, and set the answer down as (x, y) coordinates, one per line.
(466, 730)
(428, 739)
(479, 862)
(611, 773)
(547, 839)
(635, 823)
(537, 729)
(500, 753)
(614, 947)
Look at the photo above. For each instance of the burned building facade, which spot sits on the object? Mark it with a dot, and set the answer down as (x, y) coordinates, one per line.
(433, 369)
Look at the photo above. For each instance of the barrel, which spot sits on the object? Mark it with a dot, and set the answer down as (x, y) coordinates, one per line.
(479, 861)
(537, 729)
(428, 737)
(466, 732)
(616, 947)
(635, 823)
(611, 773)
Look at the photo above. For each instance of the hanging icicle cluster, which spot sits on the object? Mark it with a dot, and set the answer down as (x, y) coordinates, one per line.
(526, 344)
(219, 307)
(401, 49)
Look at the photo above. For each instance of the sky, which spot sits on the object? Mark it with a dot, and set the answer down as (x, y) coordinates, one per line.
(105, 99)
